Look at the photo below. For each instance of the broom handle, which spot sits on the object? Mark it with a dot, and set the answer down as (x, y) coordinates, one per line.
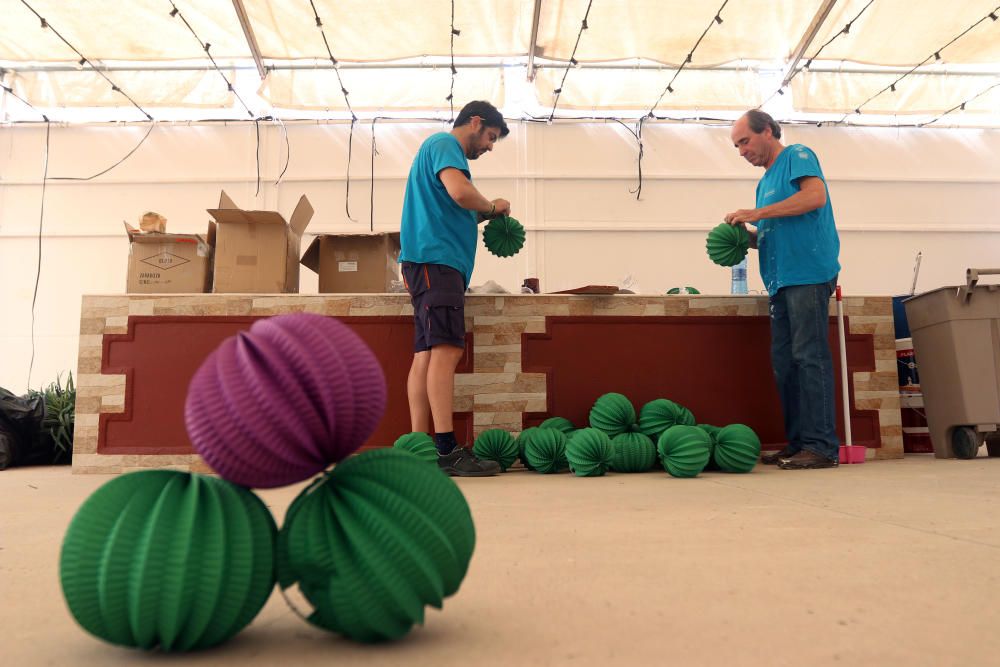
(845, 390)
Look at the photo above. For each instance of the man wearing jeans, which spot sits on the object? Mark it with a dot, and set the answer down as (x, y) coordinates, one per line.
(798, 244)
(438, 238)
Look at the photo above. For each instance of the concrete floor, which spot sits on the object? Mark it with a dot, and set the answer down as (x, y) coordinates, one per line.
(886, 563)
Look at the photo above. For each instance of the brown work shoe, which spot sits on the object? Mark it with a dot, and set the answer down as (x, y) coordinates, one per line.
(773, 458)
(807, 460)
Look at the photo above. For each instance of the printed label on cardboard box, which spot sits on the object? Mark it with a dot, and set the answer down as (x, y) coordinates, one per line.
(344, 267)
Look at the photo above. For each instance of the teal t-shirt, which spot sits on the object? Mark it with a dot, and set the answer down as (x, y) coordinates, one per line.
(800, 249)
(434, 228)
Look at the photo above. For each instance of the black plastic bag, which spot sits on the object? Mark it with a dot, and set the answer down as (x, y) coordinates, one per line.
(23, 441)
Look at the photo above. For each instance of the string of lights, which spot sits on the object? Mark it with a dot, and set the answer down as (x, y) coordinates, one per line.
(843, 31)
(333, 61)
(84, 60)
(10, 91)
(572, 61)
(716, 20)
(454, 33)
(176, 13)
(347, 101)
(936, 55)
(960, 106)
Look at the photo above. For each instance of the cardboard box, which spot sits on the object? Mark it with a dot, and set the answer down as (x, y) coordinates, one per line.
(354, 263)
(169, 263)
(257, 251)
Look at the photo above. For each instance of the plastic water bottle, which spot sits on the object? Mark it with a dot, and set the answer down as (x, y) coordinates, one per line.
(740, 278)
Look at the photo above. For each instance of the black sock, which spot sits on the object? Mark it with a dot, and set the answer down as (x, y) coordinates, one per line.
(445, 442)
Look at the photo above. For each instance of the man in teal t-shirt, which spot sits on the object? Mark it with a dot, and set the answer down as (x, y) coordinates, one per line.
(798, 246)
(438, 239)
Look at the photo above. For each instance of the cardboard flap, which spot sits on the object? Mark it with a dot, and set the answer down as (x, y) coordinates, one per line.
(310, 259)
(225, 201)
(130, 230)
(301, 216)
(224, 215)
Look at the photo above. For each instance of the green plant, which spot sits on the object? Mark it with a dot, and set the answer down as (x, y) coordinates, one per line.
(60, 415)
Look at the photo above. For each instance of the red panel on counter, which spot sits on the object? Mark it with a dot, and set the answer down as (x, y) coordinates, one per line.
(718, 367)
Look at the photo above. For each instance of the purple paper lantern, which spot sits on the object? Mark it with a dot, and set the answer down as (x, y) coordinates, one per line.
(279, 403)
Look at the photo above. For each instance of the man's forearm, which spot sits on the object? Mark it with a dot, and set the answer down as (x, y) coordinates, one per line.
(470, 198)
(801, 202)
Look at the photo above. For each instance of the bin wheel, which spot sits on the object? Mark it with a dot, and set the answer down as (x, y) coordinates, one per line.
(993, 443)
(965, 442)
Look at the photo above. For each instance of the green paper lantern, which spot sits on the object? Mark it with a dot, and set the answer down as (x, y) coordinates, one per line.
(660, 414)
(684, 450)
(419, 444)
(712, 432)
(683, 290)
(589, 452)
(497, 445)
(737, 448)
(503, 236)
(612, 413)
(168, 560)
(372, 542)
(632, 452)
(727, 244)
(544, 449)
(561, 423)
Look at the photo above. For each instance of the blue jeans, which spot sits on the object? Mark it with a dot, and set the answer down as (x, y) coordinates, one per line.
(803, 367)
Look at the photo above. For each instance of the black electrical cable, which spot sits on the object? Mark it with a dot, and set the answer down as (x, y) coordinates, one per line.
(38, 268)
(85, 60)
(104, 171)
(206, 46)
(372, 201)
(717, 18)
(572, 60)
(843, 31)
(288, 151)
(936, 55)
(256, 125)
(350, 149)
(637, 133)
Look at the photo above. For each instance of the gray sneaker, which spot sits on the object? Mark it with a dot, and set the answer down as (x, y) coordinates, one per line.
(461, 462)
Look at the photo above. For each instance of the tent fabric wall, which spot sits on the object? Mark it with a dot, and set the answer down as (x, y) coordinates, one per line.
(758, 37)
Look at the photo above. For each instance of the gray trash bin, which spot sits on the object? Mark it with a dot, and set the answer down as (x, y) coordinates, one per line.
(956, 342)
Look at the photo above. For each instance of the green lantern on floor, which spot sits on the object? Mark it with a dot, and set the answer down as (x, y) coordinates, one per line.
(613, 413)
(503, 236)
(727, 244)
(419, 444)
(374, 541)
(660, 414)
(561, 423)
(169, 560)
(544, 449)
(589, 452)
(712, 432)
(632, 452)
(737, 448)
(497, 445)
(684, 450)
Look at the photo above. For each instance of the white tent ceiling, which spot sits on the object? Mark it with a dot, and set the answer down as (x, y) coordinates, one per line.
(395, 55)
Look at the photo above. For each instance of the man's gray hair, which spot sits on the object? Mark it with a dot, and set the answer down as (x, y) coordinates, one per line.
(759, 120)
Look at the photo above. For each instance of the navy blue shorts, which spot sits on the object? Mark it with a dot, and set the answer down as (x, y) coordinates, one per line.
(438, 296)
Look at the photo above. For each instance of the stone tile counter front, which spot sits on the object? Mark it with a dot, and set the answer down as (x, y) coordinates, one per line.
(528, 357)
